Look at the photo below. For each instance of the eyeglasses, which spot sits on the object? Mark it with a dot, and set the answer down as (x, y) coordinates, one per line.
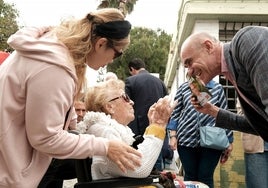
(123, 96)
(116, 52)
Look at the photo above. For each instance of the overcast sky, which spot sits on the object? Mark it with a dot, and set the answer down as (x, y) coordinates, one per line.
(147, 13)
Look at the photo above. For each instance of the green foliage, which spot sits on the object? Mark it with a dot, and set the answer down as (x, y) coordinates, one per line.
(8, 24)
(149, 45)
(126, 6)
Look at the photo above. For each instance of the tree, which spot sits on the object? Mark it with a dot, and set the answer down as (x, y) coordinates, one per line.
(126, 6)
(8, 24)
(149, 45)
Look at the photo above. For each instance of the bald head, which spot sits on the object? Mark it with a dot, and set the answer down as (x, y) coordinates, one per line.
(195, 41)
(201, 54)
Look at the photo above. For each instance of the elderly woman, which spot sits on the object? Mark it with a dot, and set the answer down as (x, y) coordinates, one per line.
(109, 110)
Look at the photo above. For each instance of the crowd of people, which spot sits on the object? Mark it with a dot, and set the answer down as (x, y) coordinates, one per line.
(122, 125)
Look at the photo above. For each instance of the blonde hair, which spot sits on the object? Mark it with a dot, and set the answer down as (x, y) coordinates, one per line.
(77, 36)
(97, 96)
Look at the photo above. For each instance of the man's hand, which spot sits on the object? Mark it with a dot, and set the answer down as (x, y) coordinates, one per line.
(207, 108)
(123, 155)
(226, 154)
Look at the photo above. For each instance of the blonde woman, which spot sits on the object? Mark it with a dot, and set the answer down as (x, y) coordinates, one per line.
(109, 111)
(39, 82)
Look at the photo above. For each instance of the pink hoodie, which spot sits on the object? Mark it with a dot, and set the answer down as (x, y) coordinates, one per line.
(37, 86)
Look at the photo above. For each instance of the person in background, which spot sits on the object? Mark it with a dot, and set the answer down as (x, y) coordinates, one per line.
(198, 162)
(244, 62)
(109, 111)
(144, 90)
(39, 84)
(255, 158)
(80, 110)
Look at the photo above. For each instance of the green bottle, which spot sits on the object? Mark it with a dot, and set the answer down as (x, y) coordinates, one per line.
(198, 89)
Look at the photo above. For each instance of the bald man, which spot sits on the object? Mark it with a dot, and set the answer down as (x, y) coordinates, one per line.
(244, 62)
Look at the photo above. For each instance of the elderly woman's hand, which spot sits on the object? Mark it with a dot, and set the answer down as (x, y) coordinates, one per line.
(159, 113)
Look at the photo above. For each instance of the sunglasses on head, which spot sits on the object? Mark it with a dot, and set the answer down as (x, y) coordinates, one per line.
(123, 96)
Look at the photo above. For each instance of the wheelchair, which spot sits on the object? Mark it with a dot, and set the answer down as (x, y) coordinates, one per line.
(84, 179)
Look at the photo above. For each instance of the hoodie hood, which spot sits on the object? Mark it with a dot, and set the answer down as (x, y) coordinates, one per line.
(40, 45)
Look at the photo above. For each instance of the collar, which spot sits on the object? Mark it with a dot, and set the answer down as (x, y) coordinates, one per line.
(224, 69)
(143, 71)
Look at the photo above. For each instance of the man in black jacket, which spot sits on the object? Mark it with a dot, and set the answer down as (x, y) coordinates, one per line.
(144, 89)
